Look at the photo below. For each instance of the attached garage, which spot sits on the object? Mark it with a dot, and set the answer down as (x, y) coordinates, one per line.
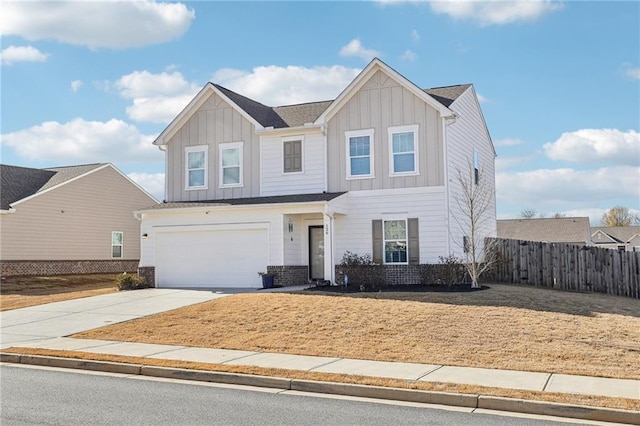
(210, 257)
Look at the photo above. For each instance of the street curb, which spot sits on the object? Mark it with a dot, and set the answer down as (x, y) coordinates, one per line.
(580, 412)
(559, 410)
(380, 392)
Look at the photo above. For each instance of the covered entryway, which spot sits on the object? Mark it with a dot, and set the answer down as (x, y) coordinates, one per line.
(211, 257)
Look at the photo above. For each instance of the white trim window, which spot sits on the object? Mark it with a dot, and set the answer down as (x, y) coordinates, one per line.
(359, 144)
(292, 154)
(196, 160)
(117, 244)
(403, 150)
(231, 164)
(395, 241)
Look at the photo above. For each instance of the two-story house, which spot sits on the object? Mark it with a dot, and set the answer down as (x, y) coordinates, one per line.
(290, 189)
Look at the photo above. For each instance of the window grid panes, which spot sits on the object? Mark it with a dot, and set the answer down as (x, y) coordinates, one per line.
(116, 244)
(360, 155)
(196, 162)
(395, 241)
(403, 152)
(231, 166)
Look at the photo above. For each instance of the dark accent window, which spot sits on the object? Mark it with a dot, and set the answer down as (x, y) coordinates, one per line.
(476, 167)
(292, 156)
(465, 244)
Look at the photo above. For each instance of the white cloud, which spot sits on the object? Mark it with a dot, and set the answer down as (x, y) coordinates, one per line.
(415, 35)
(508, 142)
(551, 189)
(355, 48)
(156, 98)
(495, 12)
(408, 55)
(76, 85)
(593, 145)
(482, 99)
(632, 72)
(80, 141)
(153, 183)
(273, 85)
(13, 54)
(96, 24)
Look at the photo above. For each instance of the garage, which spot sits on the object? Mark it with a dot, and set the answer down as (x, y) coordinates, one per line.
(211, 257)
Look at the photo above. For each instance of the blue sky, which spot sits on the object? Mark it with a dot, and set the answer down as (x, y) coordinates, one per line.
(559, 82)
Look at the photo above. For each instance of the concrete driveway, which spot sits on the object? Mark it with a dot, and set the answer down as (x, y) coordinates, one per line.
(60, 319)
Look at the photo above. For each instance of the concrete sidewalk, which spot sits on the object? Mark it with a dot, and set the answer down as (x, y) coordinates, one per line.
(397, 370)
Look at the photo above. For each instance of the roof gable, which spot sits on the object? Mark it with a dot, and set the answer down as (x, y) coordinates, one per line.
(446, 95)
(364, 76)
(17, 183)
(618, 234)
(559, 230)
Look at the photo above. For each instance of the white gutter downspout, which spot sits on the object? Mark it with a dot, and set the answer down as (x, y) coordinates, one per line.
(329, 265)
(163, 148)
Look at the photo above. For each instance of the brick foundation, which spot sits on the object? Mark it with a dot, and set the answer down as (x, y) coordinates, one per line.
(65, 267)
(289, 275)
(410, 274)
(148, 274)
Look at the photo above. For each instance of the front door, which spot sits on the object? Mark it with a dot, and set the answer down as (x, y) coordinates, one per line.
(316, 252)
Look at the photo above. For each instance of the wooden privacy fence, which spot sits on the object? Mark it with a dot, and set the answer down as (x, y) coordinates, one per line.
(567, 267)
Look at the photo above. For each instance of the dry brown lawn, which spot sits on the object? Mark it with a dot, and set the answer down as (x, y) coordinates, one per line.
(507, 327)
(21, 292)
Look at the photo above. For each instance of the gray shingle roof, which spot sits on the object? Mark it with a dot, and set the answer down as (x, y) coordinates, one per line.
(553, 230)
(298, 114)
(448, 94)
(278, 199)
(17, 182)
(620, 234)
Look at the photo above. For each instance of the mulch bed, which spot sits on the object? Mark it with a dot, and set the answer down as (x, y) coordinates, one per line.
(416, 288)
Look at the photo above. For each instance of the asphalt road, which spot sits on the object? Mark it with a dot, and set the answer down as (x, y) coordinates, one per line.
(43, 396)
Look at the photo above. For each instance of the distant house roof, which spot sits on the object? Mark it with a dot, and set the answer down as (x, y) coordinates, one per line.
(278, 199)
(553, 230)
(299, 114)
(617, 234)
(17, 183)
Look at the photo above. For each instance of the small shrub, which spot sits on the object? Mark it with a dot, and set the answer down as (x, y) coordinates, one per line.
(452, 270)
(363, 271)
(130, 282)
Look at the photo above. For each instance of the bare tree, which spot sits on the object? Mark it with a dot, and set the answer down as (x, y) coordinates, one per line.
(528, 213)
(619, 216)
(559, 215)
(475, 204)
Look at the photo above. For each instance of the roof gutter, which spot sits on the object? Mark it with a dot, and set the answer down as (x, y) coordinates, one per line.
(304, 128)
(11, 210)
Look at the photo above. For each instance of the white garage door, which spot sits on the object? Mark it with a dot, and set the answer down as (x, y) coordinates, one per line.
(220, 258)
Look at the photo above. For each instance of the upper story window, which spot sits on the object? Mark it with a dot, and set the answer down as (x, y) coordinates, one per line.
(359, 153)
(196, 167)
(395, 241)
(231, 164)
(292, 156)
(403, 150)
(117, 239)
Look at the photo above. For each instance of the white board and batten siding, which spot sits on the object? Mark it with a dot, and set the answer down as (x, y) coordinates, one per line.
(310, 180)
(353, 232)
(467, 133)
(214, 123)
(382, 103)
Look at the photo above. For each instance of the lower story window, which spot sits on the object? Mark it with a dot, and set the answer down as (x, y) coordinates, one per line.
(395, 241)
(116, 244)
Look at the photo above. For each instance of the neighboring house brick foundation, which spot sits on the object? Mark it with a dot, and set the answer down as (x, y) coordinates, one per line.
(65, 267)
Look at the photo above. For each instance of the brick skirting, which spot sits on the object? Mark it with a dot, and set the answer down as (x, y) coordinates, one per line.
(289, 275)
(148, 274)
(65, 267)
(410, 274)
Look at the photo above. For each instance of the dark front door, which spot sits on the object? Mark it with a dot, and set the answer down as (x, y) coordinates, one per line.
(316, 252)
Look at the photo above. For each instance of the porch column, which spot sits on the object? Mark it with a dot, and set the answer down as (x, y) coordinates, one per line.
(329, 269)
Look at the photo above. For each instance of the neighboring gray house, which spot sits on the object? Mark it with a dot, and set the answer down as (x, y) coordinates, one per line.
(571, 230)
(290, 189)
(68, 220)
(624, 238)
